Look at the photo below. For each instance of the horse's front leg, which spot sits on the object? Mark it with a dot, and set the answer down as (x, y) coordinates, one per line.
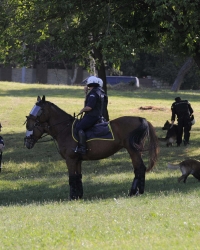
(138, 184)
(76, 186)
(75, 181)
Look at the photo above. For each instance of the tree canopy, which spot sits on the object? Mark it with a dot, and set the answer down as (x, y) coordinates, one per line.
(110, 31)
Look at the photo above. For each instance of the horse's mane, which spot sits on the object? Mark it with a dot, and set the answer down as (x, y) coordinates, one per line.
(60, 110)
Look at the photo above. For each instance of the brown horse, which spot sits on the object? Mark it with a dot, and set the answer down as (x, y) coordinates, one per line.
(129, 132)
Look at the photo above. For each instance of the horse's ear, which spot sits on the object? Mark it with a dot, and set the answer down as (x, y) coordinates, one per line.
(38, 99)
(43, 98)
(0, 125)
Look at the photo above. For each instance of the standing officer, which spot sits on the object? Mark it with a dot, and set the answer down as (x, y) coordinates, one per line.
(95, 105)
(183, 110)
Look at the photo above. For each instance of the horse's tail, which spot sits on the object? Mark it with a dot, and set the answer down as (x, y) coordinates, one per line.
(153, 147)
(138, 137)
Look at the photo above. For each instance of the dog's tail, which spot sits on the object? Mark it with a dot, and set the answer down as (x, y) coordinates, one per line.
(173, 166)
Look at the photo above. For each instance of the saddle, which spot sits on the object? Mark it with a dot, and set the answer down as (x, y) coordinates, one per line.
(100, 131)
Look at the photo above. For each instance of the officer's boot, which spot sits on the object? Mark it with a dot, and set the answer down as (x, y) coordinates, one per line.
(82, 143)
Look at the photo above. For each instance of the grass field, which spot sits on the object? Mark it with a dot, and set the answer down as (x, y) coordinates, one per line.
(35, 212)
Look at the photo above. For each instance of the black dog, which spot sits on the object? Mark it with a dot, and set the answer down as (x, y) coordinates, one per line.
(172, 132)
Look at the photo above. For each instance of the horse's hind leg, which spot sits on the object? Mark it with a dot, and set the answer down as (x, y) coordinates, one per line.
(138, 184)
(141, 184)
(79, 186)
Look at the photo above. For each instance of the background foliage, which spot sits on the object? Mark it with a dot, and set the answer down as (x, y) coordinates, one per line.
(111, 32)
(162, 66)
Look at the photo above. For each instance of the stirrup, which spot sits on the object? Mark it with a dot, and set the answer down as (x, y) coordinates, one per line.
(80, 150)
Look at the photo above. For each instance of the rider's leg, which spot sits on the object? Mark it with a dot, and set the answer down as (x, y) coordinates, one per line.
(85, 123)
(82, 142)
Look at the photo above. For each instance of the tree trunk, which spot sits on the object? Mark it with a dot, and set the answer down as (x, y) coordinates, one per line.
(181, 74)
(92, 66)
(97, 54)
(197, 59)
(73, 79)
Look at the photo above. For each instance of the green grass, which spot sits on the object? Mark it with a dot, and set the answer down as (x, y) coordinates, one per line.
(35, 212)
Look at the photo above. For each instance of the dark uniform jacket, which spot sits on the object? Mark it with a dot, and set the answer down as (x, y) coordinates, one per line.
(98, 101)
(182, 109)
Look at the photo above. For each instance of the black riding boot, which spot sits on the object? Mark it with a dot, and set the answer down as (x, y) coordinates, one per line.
(81, 149)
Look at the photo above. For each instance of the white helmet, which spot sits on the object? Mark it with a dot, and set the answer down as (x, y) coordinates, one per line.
(93, 81)
(100, 82)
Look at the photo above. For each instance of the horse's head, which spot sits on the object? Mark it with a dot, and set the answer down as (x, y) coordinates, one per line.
(36, 122)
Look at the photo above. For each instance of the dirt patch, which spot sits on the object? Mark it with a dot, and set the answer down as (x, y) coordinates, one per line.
(152, 108)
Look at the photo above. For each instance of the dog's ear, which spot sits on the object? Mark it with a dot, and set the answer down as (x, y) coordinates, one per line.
(43, 98)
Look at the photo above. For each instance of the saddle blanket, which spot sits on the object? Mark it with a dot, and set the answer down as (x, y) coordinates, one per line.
(100, 131)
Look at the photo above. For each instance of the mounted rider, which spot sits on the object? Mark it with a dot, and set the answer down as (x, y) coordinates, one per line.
(95, 107)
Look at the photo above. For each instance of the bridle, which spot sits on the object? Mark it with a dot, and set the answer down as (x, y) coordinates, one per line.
(38, 125)
(35, 115)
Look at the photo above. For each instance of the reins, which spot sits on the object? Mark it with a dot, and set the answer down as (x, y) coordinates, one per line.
(53, 125)
(53, 137)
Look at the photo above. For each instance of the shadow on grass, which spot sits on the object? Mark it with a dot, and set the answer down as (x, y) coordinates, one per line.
(50, 191)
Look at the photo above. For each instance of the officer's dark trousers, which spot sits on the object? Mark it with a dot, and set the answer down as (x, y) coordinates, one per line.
(85, 123)
(184, 126)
